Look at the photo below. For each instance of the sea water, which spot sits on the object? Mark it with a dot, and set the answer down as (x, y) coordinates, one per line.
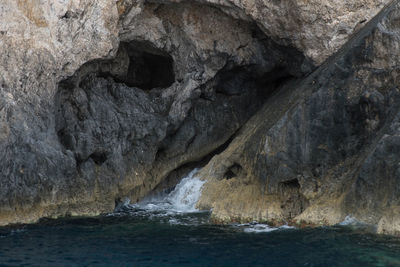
(168, 230)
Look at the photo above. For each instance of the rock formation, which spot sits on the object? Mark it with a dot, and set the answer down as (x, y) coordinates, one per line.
(322, 148)
(293, 104)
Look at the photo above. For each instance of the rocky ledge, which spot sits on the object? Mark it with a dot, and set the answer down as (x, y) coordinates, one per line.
(292, 107)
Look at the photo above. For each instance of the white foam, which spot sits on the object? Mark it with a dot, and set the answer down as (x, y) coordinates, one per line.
(259, 228)
(182, 199)
(349, 220)
(186, 194)
(262, 228)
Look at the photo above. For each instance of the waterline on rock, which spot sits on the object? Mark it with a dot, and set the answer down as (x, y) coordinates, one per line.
(179, 207)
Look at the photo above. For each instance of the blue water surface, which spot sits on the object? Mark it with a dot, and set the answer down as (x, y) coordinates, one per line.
(140, 239)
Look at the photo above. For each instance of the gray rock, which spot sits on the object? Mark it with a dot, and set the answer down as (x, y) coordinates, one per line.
(325, 147)
(94, 116)
(103, 100)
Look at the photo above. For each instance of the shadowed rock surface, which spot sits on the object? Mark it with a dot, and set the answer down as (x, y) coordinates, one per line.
(324, 148)
(100, 101)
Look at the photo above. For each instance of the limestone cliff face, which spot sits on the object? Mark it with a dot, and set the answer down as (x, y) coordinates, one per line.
(317, 28)
(102, 100)
(40, 44)
(323, 148)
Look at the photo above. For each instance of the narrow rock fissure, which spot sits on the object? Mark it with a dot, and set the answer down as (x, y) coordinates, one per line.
(173, 178)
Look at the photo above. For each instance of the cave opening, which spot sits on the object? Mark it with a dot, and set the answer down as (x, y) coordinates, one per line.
(235, 81)
(290, 184)
(106, 102)
(99, 157)
(136, 64)
(110, 116)
(148, 67)
(233, 171)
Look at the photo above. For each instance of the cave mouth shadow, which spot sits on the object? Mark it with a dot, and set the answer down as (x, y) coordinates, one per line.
(133, 80)
(148, 67)
(124, 80)
(136, 64)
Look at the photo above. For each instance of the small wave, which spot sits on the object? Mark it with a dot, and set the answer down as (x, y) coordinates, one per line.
(12, 232)
(262, 228)
(349, 220)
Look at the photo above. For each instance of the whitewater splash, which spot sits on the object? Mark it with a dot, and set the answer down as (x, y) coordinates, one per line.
(177, 207)
(349, 221)
(182, 199)
(186, 194)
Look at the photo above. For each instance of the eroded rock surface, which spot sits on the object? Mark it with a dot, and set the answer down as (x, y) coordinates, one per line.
(317, 28)
(325, 148)
(102, 100)
(91, 114)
